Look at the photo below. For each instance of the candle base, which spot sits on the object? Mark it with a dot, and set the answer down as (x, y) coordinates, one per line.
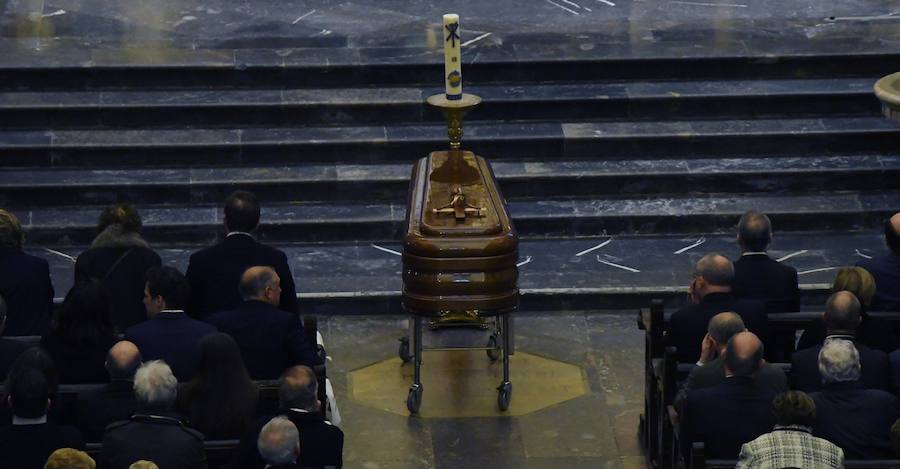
(454, 110)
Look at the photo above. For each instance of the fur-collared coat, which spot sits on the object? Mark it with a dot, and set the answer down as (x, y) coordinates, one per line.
(120, 260)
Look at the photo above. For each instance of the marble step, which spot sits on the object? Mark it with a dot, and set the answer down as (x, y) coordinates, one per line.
(534, 141)
(49, 187)
(358, 278)
(545, 217)
(640, 100)
(70, 64)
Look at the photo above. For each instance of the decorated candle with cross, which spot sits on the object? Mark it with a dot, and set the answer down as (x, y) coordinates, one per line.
(452, 58)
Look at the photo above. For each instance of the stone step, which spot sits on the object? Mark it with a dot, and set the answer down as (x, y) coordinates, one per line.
(49, 187)
(542, 218)
(642, 100)
(535, 141)
(63, 63)
(357, 278)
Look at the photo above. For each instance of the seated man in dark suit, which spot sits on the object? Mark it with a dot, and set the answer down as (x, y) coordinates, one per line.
(279, 444)
(271, 340)
(841, 318)
(710, 369)
(856, 419)
(115, 401)
(9, 348)
(710, 292)
(886, 269)
(727, 415)
(322, 443)
(30, 440)
(169, 334)
(153, 433)
(759, 277)
(214, 272)
(24, 282)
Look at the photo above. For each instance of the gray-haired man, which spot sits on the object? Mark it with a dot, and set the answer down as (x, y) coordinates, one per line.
(856, 419)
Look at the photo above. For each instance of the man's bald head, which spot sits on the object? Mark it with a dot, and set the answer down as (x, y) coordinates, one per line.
(744, 353)
(123, 360)
(256, 280)
(892, 233)
(842, 311)
(724, 326)
(716, 270)
(299, 389)
(754, 232)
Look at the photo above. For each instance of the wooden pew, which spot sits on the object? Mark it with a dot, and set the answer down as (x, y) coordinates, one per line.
(219, 453)
(698, 461)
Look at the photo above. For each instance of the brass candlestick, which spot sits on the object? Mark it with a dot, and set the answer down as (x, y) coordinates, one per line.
(454, 111)
(887, 90)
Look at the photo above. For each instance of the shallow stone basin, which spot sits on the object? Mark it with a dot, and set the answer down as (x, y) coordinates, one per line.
(887, 90)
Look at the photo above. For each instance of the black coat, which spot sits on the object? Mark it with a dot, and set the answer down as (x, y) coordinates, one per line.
(271, 340)
(759, 277)
(215, 272)
(124, 284)
(726, 416)
(688, 326)
(98, 408)
(25, 286)
(713, 373)
(875, 370)
(29, 446)
(161, 439)
(173, 337)
(78, 363)
(856, 419)
(321, 444)
(886, 271)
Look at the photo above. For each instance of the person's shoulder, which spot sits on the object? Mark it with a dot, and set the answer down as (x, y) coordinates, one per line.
(879, 395)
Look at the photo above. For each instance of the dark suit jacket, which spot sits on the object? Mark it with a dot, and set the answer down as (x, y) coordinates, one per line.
(161, 439)
(124, 286)
(270, 339)
(875, 369)
(78, 363)
(29, 446)
(173, 337)
(768, 377)
(688, 326)
(886, 271)
(25, 286)
(759, 277)
(215, 272)
(9, 351)
(321, 444)
(726, 416)
(99, 408)
(856, 419)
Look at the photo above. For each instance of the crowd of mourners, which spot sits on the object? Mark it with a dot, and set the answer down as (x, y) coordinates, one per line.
(838, 401)
(176, 358)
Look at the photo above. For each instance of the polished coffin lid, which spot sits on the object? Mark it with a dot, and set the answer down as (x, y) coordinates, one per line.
(452, 263)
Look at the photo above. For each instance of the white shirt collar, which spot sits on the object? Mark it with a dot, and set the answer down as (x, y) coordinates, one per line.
(25, 421)
(294, 409)
(172, 311)
(755, 253)
(232, 233)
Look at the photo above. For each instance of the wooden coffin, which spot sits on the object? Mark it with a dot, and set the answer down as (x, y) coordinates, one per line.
(460, 248)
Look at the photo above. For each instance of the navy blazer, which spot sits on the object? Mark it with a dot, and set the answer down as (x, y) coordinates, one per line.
(759, 277)
(25, 286)
(271, 340)
(875, 371)
(727, 415)
(214, 274)
(856, 419)
(173, 337)
(323, 442)
(688, 326)
(886, 271)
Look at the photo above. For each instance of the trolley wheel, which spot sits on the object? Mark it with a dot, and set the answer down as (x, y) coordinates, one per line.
(414, 399)
(493, 348)
(504, 395)
(403, 352)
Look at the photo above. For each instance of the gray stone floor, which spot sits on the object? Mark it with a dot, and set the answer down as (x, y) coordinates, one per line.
(597, 430)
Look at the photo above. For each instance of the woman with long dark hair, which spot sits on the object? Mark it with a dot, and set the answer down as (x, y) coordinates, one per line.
(220, 401)
(81, 335)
